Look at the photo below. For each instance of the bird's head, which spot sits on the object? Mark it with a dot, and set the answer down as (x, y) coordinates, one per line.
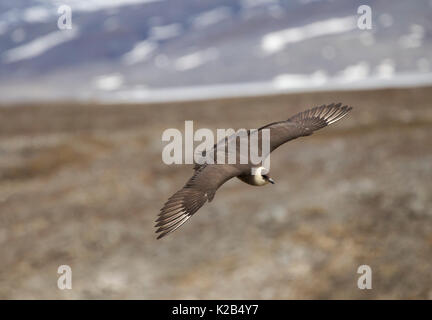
(268, 179)
(261, 177)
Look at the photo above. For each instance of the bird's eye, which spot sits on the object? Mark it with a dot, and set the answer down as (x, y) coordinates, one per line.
(265, 177)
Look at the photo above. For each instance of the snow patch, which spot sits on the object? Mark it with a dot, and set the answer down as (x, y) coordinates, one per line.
(165, 32)
(196, 59)
(36, 14)
(386, 69)
(257, 3)
(211, 17)
(94, 5)
(140, 52)
(355, 72)
(292, 81)
(39, 45)
(281, 84)
(276, 41)
(108, 82)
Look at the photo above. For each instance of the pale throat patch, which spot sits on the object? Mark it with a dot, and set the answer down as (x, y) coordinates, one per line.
(258, 178)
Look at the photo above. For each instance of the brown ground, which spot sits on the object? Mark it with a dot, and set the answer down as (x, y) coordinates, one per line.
(82, 184)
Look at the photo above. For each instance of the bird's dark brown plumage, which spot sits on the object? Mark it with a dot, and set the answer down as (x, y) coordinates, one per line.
(304, 123)
(200, 188)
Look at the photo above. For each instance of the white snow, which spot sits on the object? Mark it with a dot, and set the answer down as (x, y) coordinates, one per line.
(355, 72)
(94, 5)
(196, 59)
(276, 11)
(165, 32)
(386, 69)
(39, 45)
(140, 52)
(308, 1)
(108, 82)
(276, 41)
(37, 14)
(256, 3)
(280, 84)
(292, 81)
(211, 17)
(46, 10)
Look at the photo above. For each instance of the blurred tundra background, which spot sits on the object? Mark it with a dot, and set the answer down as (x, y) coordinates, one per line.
(82, 112)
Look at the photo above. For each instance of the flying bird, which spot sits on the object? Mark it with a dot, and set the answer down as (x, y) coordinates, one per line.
(207, 178)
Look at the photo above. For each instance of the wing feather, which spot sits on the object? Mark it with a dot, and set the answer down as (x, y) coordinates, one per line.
(199, 189)
(305, 123)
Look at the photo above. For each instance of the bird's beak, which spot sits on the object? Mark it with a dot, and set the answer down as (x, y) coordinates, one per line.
(271, 180)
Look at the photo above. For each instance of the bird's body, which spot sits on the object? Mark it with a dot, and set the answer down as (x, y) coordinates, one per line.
(207, 178)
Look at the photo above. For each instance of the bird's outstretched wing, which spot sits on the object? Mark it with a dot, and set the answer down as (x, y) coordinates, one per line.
(200, 188)
(304, 123)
